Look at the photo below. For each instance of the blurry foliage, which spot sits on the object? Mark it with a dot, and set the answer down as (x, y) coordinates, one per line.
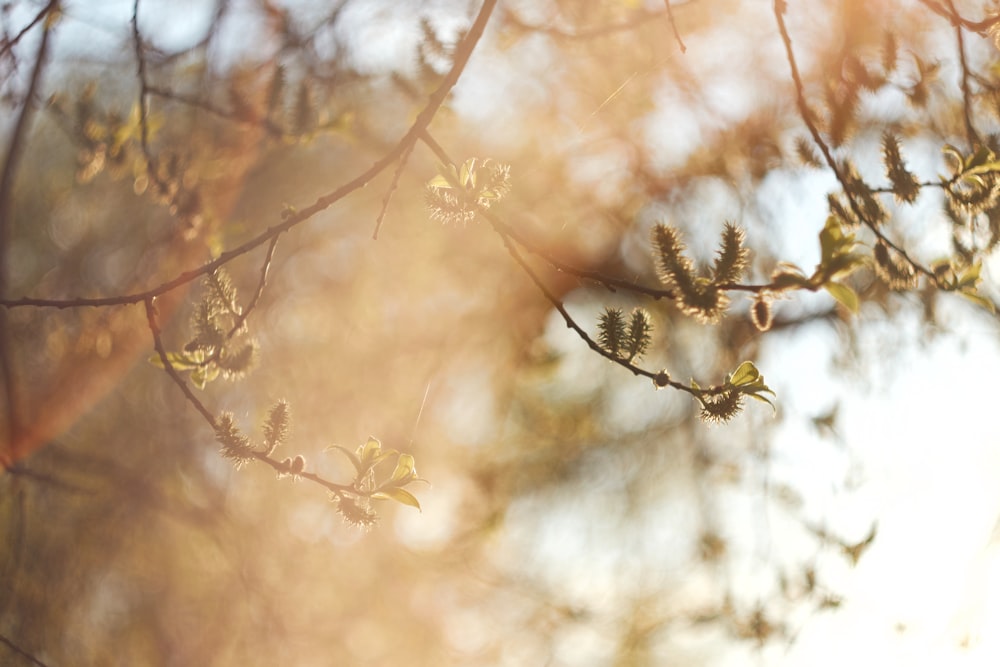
(576, 516)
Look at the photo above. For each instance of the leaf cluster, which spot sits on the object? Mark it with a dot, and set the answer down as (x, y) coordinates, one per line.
(354, 504)
(220, 344)
(722, 403)
(454, 195)
(838, 259)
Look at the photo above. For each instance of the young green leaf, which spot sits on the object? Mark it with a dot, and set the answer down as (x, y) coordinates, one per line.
(404, 473)
(399, 495)
(844, 294)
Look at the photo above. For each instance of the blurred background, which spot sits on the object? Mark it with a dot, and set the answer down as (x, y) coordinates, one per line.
(573, 514)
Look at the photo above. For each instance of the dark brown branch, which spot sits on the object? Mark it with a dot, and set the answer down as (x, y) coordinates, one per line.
(140, 57)
(970, 130)
(807, 118)
(154, 329)
(45, 478)
(21, 652)
(15, 147)
(268, 125)
(424, 118)
(26, 29)
(981, 28)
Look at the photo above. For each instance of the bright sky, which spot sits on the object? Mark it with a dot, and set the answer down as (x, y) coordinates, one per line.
(925, 438)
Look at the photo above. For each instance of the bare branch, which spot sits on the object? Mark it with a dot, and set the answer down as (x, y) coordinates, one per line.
(8, 175)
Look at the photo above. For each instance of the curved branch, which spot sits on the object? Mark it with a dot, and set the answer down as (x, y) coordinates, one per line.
(424, 118)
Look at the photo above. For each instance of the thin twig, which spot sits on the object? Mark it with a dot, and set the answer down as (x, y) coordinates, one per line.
(403, 159)
(26, 29)
(51, 480)
(261, 283)
(21, 652)
(612, 284)
(271, 128)
(191, 398)
(154, 329)
(673, 25)
(807, 118)
(140, 57)
(970, 130)
(509, 242)
(981, 28)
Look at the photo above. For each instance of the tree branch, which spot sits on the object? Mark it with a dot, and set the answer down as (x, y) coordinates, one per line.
(15, 147)
(424, 118)
(21, 652)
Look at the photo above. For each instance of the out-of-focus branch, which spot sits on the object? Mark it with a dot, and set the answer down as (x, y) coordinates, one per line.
(15, 146)
(462, 54)
(807, 117)
(970, 131)
(673, 26)
(640, 18)
(21, 652)
(15, 40)
(978, 27)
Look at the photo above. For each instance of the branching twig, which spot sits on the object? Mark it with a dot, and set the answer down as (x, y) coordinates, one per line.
(979, 27)
(501, 229)
(271, 128)
(673, 26)
(7, 47)
(807, 118)
(403, 159)
(191, 398)
(261, 283)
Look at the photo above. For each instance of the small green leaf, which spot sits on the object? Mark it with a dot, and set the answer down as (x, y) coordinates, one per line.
(439, 181)
(745, 373)
(970, 277)
(202, 375)
(397, 494)
(979, 300)
(844, 294)
(954, 153)
(831, 240)
(405, 471)
(788, 278)
(355, 461)
(179, 360)
(764, 399)
(368, 451)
